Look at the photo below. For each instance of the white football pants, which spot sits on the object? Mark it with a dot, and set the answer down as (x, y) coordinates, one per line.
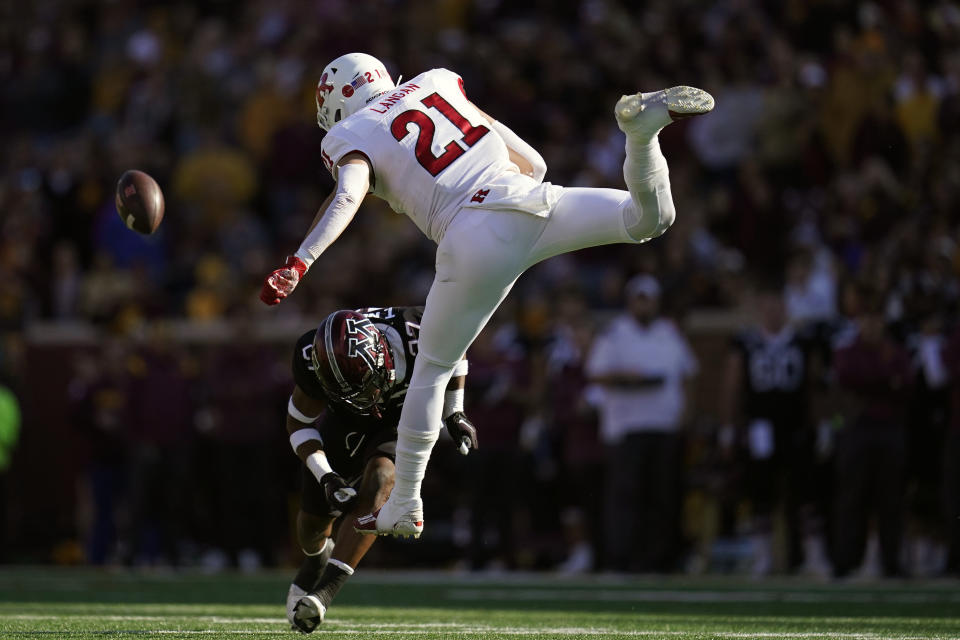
(480, 257)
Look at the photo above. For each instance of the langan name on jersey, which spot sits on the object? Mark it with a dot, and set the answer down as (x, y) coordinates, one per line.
(395, 97)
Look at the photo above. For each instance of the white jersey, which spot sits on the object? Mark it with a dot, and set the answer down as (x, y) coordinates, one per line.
(432, 153)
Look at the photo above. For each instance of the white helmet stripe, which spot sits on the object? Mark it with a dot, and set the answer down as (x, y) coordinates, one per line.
(331, 354)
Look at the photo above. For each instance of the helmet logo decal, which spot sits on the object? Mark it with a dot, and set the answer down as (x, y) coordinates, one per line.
(323, 89)
(353, 362)
(347, 91)
(362, 341)
(361, 80)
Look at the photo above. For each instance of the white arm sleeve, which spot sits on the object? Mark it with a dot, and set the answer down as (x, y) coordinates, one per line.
(352, 186)
(517, 143)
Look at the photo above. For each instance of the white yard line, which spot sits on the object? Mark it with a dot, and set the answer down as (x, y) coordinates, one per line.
(82, 616)
(633, 595)
(412, 628)
(520, 632)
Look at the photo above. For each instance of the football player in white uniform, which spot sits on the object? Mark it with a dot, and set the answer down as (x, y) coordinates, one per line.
(476, 189)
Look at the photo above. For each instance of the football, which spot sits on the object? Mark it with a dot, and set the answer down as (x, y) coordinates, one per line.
(139, 201)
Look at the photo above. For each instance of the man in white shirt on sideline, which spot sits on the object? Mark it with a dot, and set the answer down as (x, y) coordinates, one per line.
(642, 364)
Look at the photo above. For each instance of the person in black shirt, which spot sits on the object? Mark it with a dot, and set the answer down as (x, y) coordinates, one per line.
(352, 375)
(767, 382)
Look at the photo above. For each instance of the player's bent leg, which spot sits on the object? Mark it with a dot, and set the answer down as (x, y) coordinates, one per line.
(582, 218)
(479, 259)
(309, 610)
(313, 534)
(651, 211)
(402, 514)
(641, 117)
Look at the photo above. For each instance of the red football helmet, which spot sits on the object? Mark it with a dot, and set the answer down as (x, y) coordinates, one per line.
(352, 359)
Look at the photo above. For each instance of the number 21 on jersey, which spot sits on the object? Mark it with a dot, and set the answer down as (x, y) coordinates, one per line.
(427, 130)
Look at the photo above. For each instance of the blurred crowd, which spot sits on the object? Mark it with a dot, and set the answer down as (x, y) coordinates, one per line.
(826, 181)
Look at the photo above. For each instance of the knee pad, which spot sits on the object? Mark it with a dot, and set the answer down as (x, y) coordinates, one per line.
(668, 213)
(648, 214)
(416, 437)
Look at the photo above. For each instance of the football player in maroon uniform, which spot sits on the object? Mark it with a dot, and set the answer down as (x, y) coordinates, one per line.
(351, 375)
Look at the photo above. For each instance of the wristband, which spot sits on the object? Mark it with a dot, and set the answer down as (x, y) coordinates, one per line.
(298, 415)
(452, 402)
(318, 465)
(460, 369)
(300, 436)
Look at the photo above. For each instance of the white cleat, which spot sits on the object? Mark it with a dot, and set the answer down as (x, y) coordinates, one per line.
(293, 597)
(650, 112)
(401, 521)
(308, 613)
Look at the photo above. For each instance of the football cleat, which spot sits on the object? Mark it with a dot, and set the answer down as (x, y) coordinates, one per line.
(402, 521)
(651, 112)
(307, 614)
(294, 593)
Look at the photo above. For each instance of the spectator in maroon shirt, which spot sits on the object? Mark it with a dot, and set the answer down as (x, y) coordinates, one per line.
(243, 386)
(100, 407)
(161, 378)
(873, 377)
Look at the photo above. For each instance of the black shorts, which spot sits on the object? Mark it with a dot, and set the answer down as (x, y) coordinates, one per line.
(348, 452)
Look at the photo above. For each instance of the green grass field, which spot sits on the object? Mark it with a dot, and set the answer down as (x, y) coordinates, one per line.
(61, 603)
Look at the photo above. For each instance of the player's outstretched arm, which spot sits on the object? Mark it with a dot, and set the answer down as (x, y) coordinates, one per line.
(353, 183)
(302, 412)
(530, 162)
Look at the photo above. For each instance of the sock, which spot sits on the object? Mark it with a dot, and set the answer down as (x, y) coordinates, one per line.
(422, 406)
(648, 181)
(309, 574)
(413, 454)
(333, 578)
(645, 171)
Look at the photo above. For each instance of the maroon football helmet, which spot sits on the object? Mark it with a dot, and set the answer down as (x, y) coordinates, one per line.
(352, 359)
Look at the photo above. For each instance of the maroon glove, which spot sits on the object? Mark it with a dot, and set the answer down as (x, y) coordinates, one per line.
(283, 281)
